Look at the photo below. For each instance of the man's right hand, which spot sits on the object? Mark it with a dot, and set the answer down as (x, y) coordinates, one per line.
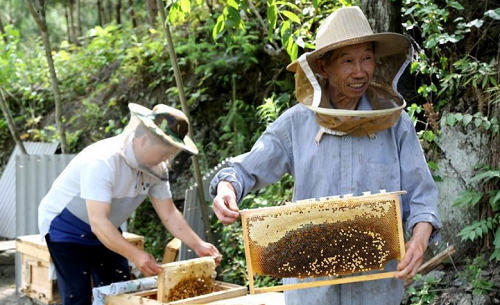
(224, 204)
(146, 263)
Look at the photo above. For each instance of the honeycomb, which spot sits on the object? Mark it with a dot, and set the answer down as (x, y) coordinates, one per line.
(191, 287)
(186, 279)
(328, 237)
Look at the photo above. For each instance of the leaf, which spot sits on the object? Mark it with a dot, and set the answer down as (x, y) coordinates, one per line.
(456, 5)
(291, 16)
(495, 14)
(477, 122)
(496, 242)
(218, 28)
(429, 136)
(185, 6)
(433, 166)
(484, 82)
(272, 15)
(467, 119)
(295, 52)
(235, 15)
(451, 120)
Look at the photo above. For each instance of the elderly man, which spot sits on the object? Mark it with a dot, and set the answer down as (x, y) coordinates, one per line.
(348, 135)
(100, 188)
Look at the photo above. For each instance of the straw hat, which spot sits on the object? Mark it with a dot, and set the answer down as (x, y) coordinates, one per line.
(348, 26)
(170, 124)
(393, 52)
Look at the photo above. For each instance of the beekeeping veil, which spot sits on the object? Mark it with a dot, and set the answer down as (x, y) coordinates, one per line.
(169, 125)
(393, 52)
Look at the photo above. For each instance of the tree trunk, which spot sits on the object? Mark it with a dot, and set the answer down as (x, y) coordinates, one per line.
(109, 11)
(79, 30)
(118, 12)
(10, 123)
(100, 13)
(68, 26)
(383, 16)
(152, 12)
(39, 16)
(185, 109)
(2, 30)
(72, 21)
(132, 13)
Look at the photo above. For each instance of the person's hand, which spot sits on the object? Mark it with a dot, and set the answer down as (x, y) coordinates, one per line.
(415, 249)
(146, 263)
(207, 249)
(224, 205)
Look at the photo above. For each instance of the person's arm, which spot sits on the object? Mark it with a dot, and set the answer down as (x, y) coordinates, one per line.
(111, 237)
(175, 223)
(415, 249)
(420, 211)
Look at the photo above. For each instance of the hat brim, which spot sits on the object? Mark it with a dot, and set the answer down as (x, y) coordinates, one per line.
(386, 44)
(142, 113)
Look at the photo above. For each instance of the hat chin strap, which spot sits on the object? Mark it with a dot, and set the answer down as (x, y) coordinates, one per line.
(304, 64)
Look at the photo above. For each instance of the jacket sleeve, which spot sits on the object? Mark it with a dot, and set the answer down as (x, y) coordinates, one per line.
(420, 204)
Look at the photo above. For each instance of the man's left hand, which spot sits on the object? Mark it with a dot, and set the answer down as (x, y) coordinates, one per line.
(415, 249)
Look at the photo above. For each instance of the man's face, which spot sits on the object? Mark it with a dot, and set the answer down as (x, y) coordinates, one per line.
(154, 153)
(349, 72)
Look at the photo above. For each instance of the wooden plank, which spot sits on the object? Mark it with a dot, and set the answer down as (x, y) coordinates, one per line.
(128, 299)
(171, 251)
(343, 280)
(225, 294)
(271, 298)
(222, 291)
(33, 250)
(247, 255)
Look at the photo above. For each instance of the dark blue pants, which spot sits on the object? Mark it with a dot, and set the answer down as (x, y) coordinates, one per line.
(81, 267)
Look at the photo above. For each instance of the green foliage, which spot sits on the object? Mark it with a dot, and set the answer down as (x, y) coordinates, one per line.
(489, 226)
(472, 274)
(478, 120)
(427, 293)
(289, 23)
(445, 77)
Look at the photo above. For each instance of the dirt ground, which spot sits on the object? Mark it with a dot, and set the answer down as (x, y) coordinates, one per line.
(8, 293)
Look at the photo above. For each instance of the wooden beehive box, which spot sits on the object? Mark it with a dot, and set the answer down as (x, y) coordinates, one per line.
(222, 291)
(35, 260)
(330, 237)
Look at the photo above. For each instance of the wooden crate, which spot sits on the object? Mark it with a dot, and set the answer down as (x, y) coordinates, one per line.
(35, 261)
(222, 291)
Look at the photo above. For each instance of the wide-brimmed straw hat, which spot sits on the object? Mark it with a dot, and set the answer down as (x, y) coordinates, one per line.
(393, 52)
(348, 26)
(168, 123)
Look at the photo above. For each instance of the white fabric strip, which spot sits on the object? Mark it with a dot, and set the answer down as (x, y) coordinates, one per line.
(312, 79)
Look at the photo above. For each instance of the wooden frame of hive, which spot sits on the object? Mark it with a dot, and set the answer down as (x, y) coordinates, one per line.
(333, 236)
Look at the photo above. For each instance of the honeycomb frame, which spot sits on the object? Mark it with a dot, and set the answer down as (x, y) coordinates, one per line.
(334, 236)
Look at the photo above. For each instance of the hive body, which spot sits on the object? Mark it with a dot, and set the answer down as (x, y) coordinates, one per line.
(326, 237)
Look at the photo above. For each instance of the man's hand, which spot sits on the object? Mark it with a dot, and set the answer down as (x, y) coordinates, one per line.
(207, 249)
(415, 249)
(146, 263)
(224, 204)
